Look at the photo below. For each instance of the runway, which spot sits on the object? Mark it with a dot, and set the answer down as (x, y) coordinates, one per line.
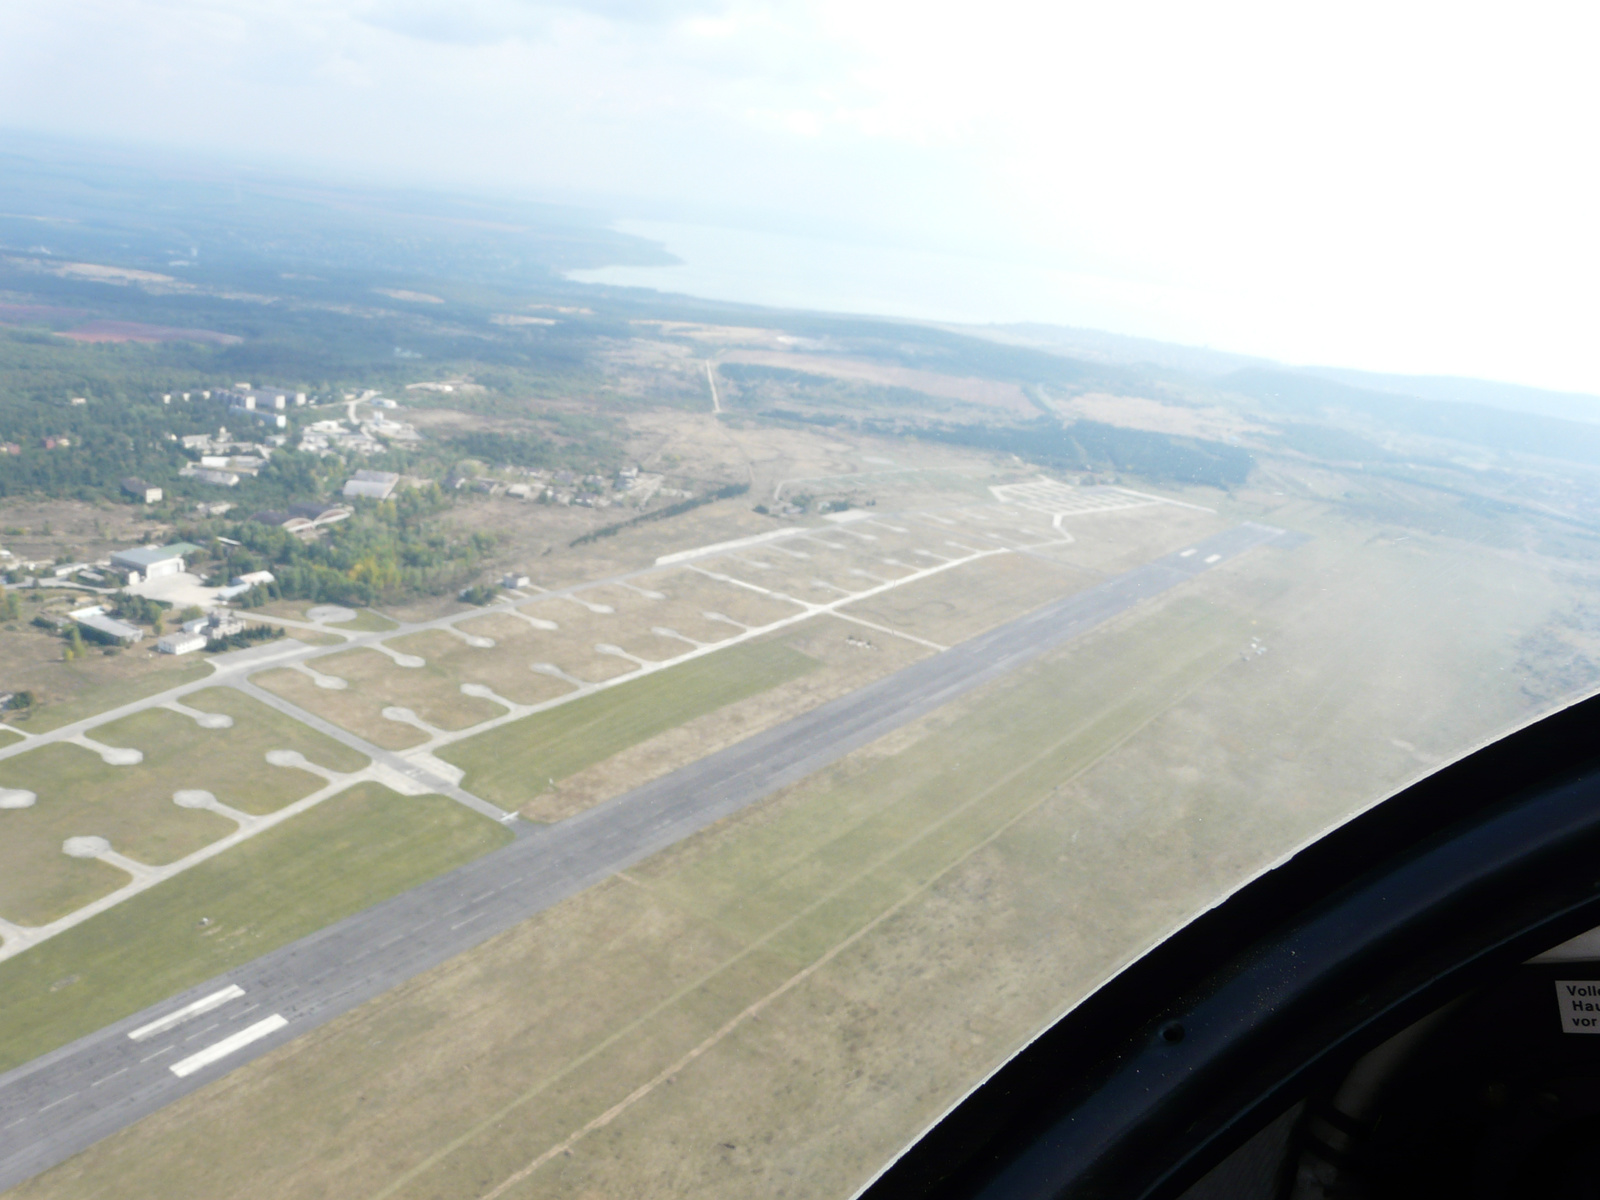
(65, 1101)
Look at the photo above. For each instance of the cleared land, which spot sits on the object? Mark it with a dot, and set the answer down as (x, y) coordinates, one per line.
(571, 645)
(80, 795)
(613, 988)
(229, 763)
(513, 764)
(775, 1005)
(376, 682)
(354, 849)
(97, 685)
(256, 729)
(956, 604)
(696, 594)
(1112, 542)
(365, 620)
(503, 667)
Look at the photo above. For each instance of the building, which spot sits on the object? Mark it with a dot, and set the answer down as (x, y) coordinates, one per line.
(218, 623)
(108, 628)
(514, 580)
(374, 485)
(181, 643)
(149, 562)
(253, 577)
(141, 491)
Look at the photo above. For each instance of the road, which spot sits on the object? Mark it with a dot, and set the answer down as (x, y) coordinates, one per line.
(67, 1100)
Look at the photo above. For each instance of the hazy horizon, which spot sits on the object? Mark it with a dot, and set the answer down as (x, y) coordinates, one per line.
(1388, 188)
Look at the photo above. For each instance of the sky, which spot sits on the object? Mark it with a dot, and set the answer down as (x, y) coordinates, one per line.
(1395, 186)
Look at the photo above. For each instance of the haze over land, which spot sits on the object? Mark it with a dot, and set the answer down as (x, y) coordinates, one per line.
(628, 743)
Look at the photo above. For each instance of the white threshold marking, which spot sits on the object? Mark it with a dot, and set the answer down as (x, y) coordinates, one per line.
(1211, 558)
(1186, 553)
(203, 1005)
(221, 1050)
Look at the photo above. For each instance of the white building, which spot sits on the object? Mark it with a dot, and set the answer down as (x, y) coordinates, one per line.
(95, 618)
(149, 562)
(218, 623)
(375, 485)
(181, 643)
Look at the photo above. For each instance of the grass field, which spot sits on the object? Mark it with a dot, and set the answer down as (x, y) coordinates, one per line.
(375, 683)
(103, 698)
(229, 763)
(366, 621)
(512, 763)
(571, 645)
(258, 727)
(80, 795)
(9, 736)
(964, 601)
(347, 853)
(503, 667)
(695, 593)
(131, 806)
(646, 987)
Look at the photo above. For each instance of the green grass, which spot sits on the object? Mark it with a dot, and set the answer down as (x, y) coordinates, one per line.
(9, 737)
(512, 763)
(103, 699)
(270, 726)
(366, 621)
(346, 854)
(79, 794)
(916, 811)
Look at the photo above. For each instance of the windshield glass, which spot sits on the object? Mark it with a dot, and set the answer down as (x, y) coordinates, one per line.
(627, 599)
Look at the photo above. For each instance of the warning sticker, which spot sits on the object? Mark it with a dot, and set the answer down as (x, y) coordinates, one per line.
(1579, 1002)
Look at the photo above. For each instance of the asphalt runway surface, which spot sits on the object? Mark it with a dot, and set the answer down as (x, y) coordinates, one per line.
(65, 1101)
